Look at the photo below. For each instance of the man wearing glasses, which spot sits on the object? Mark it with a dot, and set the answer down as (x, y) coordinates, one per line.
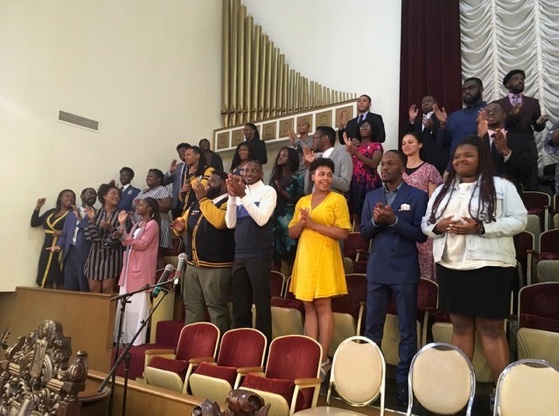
(249, 212)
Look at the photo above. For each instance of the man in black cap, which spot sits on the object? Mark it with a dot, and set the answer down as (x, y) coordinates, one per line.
(523, 116)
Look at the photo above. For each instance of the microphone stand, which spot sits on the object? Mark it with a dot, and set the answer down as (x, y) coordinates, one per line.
(111, 376)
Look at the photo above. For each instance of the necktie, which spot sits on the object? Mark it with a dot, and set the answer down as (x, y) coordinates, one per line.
(361, 118)
(515, 99)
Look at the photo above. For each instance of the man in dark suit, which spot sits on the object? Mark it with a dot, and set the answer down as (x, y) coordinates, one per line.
(509, 149)
(351, 128)
(74, 246)
(127, 193)
(212, 158)
(434, 150)
(392, 219)
(523, 116)
(176, 175)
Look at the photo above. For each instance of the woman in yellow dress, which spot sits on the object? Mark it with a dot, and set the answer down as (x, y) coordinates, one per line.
(319, 221)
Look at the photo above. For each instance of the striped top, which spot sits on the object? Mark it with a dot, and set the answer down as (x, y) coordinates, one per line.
(105, 256)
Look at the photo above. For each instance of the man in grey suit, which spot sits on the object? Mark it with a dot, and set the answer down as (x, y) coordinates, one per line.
(176, 175)
(324, 140)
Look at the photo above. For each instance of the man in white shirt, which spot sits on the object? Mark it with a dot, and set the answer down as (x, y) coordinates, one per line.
(249, 211)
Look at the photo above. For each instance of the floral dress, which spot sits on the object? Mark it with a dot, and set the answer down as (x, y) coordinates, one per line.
(285, 247)
(420, 178)
(364, 178)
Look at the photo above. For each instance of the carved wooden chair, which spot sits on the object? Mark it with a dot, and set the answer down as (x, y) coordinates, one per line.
(36, 377)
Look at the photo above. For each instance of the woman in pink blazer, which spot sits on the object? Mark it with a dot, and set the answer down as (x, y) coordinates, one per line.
(139, 265)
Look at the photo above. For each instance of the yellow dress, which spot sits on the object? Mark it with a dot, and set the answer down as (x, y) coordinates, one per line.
(318, 271)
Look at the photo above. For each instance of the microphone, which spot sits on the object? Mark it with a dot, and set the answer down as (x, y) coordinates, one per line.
(180, 268)
(164, 276)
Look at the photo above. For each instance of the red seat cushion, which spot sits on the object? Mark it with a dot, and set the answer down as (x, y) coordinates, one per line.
(178, 367)
(528, 320)
(548, 256)
(279, 386)
(535, 211)
(228, 374)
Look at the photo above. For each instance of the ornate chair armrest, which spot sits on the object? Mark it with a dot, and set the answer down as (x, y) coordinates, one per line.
(246, 370)
(196, 361)
(307, 382)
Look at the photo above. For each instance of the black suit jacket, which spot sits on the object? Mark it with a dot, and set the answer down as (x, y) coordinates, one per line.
(434, 151)
(258, 148)
(352, 129)
(526, 118)
(518, 167)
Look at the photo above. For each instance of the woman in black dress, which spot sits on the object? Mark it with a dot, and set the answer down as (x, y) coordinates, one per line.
(50, 270)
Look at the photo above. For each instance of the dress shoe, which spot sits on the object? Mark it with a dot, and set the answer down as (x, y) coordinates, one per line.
(403, 395)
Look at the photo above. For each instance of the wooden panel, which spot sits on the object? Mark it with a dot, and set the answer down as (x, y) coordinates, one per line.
(222, 141)
(269, 131)
(88, 318)
(324, 118)
(237, 136)
(285, 127)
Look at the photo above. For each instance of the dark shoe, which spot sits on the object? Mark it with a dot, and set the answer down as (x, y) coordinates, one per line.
(403, 395)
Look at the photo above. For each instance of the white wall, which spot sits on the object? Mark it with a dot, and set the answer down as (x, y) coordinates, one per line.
(133, 65)
(351, 45)
(150, 72)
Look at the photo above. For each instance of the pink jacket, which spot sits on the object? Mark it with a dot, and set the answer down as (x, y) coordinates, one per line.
(140, 257)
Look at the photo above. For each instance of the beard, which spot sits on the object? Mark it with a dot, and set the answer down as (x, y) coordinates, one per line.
(213, 193)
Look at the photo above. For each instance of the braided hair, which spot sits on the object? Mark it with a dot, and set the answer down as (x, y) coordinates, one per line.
(485, 173)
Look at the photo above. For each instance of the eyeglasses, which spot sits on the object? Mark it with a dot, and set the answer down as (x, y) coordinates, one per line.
(246, 170)
(365, 127)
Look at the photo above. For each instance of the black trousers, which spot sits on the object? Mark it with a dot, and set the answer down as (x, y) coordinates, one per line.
(250, 283)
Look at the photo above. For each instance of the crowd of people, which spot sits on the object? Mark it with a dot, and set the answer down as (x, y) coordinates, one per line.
(445, 206)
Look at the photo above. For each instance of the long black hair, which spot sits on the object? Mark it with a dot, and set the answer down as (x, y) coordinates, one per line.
(202, 162)
(485, 173)
(237, 159)
(292, 162)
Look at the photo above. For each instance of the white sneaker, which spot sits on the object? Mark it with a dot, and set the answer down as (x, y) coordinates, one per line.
(324, 369)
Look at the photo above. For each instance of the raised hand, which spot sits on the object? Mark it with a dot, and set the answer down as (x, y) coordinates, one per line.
(179, 225)
(308, 155)
(542, 119)
(173, 166)
(235, 186)
(90, 212)
(413, 112)
(199, 190)
(482, 125)
(500, 143)
(122, 217)
(292, 137)
(40, 203)
(440, 113)
(349, 147)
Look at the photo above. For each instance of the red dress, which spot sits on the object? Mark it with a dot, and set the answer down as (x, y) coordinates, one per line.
(364, 178)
